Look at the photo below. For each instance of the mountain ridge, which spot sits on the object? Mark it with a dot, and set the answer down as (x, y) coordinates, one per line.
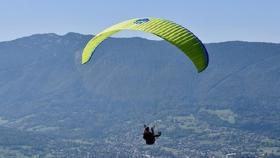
(81, 34)
(131, 81)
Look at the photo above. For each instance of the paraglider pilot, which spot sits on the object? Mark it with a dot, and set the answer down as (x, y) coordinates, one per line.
(149, 135)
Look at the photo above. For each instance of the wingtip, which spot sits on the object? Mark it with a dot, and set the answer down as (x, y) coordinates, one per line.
(83, 61)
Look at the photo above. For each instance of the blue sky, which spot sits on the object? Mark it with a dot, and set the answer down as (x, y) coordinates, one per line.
(211, 21)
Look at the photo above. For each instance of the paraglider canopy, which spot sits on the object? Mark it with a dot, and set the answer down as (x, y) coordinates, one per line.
(175, 34)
